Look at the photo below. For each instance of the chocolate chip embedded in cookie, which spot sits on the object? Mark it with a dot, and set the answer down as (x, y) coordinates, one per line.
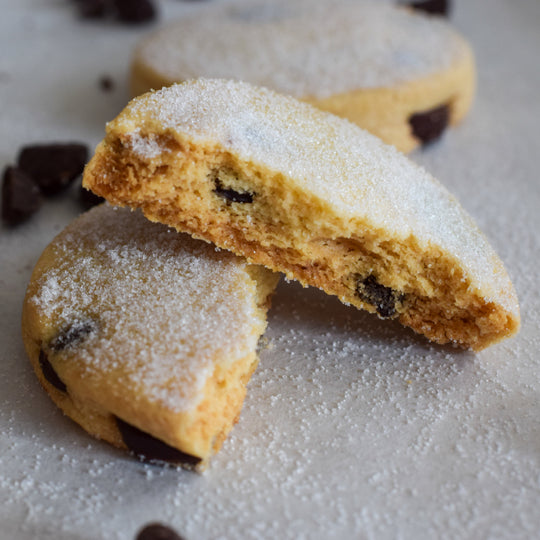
(329, 205)
(120, 322)
(428, 126)
(373, 63)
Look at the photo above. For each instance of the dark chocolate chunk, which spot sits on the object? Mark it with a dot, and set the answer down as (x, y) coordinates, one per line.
(232, 195)
(72, 334)
(433, 7)
(21, 197)
(53, 166)
(89, 198)
(134, 11)
(92, 9)
(384, 299)
(149, 448)
(428, 126)
(157, 531)
(49, 373)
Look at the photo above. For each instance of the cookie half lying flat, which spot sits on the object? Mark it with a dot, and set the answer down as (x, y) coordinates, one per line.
(144, 336)
(398, 73)
(312, 195)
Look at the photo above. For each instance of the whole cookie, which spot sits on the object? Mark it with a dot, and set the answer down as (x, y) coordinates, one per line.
(144, 336)
(402, 75)
(312, 195)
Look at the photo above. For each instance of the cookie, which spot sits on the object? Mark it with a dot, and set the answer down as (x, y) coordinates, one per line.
(399, 73)
(311, 195)
(144, 336)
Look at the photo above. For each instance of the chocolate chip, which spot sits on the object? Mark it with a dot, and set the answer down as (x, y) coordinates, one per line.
(53, 166)
(428, 126)
(384, 299)
(232, 195)
(157, 531)
(151, 449)
(72, 334)
(21, 197)
(89, 199)
(433, 7)
(134, 11)
(49, 373)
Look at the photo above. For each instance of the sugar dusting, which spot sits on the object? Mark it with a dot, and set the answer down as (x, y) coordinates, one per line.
(166, 307)
(304, 48)
(352, 172)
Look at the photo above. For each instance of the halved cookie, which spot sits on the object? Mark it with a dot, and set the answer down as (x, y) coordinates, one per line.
(312, 195)
(402, 75)
(144, 336)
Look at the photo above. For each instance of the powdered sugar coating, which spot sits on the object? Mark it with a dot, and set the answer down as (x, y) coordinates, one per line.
(304, 48)
(358, 178)
(166, 307)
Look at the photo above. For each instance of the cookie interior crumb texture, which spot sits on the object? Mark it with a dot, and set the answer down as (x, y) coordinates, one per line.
(313, 196)
(373, 63)
(144, 336)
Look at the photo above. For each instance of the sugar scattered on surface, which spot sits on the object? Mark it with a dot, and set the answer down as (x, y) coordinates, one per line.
(166, 307)
(304, 48)
(350, 171)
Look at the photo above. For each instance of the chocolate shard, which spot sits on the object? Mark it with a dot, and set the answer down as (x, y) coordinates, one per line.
(49, 373)
(21, 197)
(157, 531)
(72, 334)
(428, 126)
(134, 11)
(232, 195)
(433, 7)
(53, 166)
(89, 199)
(384, 299)
(148, 448)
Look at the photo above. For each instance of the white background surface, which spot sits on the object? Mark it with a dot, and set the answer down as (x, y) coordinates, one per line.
(353, 427)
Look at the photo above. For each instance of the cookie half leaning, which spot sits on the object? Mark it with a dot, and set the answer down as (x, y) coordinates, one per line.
(311, 195)
(144, 336)
(400, 74)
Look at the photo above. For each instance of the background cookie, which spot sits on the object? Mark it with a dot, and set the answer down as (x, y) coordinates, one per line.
(312, 195)
(398, 73)
(144, 336)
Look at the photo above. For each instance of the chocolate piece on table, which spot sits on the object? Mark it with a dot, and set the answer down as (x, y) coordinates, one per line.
(157, 531)
(21, 197)
(53, 166)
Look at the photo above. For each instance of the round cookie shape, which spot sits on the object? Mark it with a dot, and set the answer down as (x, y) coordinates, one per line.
(145, 336)
(371, 62)
(312, 195)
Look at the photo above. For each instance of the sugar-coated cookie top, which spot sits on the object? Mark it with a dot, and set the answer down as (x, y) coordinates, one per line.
(305, 48)
(166, 307)
(358, 177)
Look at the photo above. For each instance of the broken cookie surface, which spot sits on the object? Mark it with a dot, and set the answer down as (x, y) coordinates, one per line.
(144, 336)
(313, 196)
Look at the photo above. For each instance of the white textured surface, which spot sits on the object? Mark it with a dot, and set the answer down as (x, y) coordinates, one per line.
(157, 299)
(305, 48)
(353, 427)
